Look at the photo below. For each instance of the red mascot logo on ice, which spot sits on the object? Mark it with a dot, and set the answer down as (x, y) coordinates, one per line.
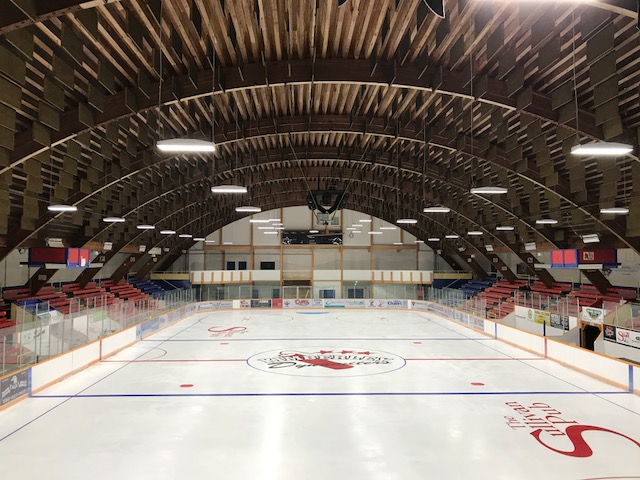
(546, 423)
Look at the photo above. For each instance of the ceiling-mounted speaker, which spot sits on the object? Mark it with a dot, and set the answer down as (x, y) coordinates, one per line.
(436, 6)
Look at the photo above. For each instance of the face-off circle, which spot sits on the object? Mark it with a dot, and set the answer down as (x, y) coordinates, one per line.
(326, 362)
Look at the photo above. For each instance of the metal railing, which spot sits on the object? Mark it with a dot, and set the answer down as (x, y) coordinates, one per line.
(42, 332)
(457, 299)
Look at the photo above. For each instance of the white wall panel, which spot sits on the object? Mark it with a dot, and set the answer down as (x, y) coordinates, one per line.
(326, 258)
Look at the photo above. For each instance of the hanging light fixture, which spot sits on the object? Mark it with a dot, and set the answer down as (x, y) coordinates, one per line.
(615, 210)
(145, 227)
(505, 228)
(185, 145)
(248, 209)
(407, 221)
(475, 233)
(452, 236)
(229, 189)
(167, 232)
(113, 220)
(546, 221)
(185, 235)
(62, 208)
(488, 190)
(436, 210)
(602, 149)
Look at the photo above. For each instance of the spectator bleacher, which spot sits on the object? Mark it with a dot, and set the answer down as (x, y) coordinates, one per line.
(474, 287)
(147, 286)
(124, 290)
(499, 297)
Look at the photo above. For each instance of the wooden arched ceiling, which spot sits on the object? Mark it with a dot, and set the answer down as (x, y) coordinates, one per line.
(305, 90)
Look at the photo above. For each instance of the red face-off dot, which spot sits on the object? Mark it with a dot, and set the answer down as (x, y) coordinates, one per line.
(186, 385)
(477, 384)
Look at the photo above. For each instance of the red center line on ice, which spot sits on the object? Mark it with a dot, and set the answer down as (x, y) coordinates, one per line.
(184, 360)
(478, 358)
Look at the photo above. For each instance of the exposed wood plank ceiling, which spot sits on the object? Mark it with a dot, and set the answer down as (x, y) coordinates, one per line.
(305, 91)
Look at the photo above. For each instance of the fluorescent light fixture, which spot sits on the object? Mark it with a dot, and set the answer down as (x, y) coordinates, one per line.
(185, 145)
(258, 220)
(407, 221)
(351, 228)
(145, 227)
(546, 221)
(365, 220)
(374, 233)
(185, 235)
(397, 243)
(475, 233)
(357, 231)
(266, 228)
(199, 239)
(436, 210)
(488, 190)
(314, 231)
(488, 248)
(452, 236)
(227, 243)
(591, 238)
(271, 233)
(209, 241)
(229, 189)
(602, 148)
(388, 228)
(274, 220)
(278, 228)
(113, 220)
(505, 228)
(615, 210)
(357, 225)
(248, 209)
(530, 246)
(433, 239)
(418, 241)
(167, 232)
(62, 208)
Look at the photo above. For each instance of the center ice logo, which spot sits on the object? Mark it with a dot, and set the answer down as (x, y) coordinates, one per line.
(326, 362)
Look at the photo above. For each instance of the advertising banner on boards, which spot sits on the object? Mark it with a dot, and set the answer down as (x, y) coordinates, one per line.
(559, 321)
(610, 333)
(13, 386)
(261, 303)
(276, 303)
(592, 315)
(628, 337)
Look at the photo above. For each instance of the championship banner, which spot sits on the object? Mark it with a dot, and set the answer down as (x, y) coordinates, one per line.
(592, 315)
(14, 386)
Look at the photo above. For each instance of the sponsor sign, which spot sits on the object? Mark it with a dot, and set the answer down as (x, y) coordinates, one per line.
(147, 328)
(610, 333)
(538, 316)
(476, 323)
(260, 303)
(628, 337)
(326, 362)
(14, 386)
(418, 304)
(245, 303)
(592, 315)
(300, 303)
(334, 303)
(559, 321)
(276, 303)
(209, 306)
(554, 430)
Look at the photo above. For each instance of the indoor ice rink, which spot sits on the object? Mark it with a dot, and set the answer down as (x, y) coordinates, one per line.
(318, 394)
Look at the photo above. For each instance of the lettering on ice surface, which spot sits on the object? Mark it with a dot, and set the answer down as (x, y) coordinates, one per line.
(547, 425)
